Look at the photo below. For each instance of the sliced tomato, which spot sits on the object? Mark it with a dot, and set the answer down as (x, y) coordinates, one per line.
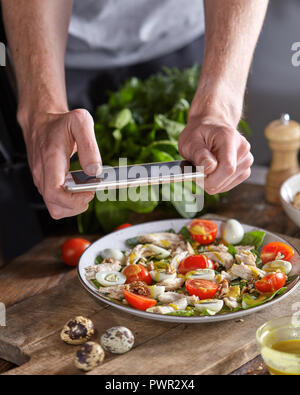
(271, 283)
(135, 272)
(194, 262)
(123, 226)
(72, 249)
(140, 302)
(204, 289)
(271, 250)
(203, 231)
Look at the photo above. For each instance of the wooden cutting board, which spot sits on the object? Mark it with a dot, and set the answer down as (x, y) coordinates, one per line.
(31, 337)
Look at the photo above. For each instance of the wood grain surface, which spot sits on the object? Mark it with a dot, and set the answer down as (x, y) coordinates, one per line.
(24, 281)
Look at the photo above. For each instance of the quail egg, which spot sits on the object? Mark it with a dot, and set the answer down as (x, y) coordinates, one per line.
(204, 274)
(233, 232)
(77, 331)
(89, 356)
(110, 278)
(278, 266)
(212, 306)
(112, 253)
(161, 275)
(117, 340)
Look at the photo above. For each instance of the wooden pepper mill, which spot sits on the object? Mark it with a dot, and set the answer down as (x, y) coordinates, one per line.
(284, 140)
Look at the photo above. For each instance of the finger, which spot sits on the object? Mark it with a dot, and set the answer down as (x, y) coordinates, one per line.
(241, 175)
(58, 212)
(203, 157)
(82, 129)
(55, 167)
(227, 163)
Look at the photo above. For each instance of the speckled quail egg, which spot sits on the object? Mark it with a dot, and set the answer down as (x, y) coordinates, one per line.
(77, 330)
(278, 266)
(212, 306)
(233, 232)
(112, 253)
(117, 340)
(89, 356)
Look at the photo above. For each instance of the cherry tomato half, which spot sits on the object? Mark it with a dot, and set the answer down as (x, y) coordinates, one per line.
(194, 262)
(271, 283)
(123, 226)
(203, 231)
(204, 289)
(72, 249)
(271, 250)
(135, 272)
(140, 302)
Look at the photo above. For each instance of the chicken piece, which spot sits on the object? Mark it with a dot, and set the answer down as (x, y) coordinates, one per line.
(163, 239)
(247, 272)
(190, 249)
(172, 284)
(223, 257)
(246, 257)
(170, 297)
(114, 292)
(231, 303)
(223, 289)
(161, 309)
(144, 251)
(225, 276)
(218, 248)
(177, 258)
(192, 300)
(240, 249)
(296, 200)
(108, 265)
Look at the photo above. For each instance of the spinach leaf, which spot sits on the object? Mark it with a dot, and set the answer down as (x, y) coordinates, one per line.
(254, 238)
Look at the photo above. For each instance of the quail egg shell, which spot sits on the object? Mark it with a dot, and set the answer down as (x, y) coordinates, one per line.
(89, 356)
(117, 340)
(233, 232)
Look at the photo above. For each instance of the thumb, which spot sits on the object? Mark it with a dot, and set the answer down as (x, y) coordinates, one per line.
(82, 129)
(203, 157)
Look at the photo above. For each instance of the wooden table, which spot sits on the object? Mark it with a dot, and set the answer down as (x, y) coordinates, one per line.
(40, 272)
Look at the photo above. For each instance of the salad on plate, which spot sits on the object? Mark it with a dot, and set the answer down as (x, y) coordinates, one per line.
(192, 272)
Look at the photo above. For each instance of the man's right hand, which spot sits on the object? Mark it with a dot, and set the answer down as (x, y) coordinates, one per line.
(51, 140)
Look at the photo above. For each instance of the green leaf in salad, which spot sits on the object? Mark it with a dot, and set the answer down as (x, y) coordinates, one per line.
(231, 250)
(95, 283)
(182, 313)
(254, 238)
(251, 300)
(98, 260)
(186, 234)
(291, 278)
(132, 242)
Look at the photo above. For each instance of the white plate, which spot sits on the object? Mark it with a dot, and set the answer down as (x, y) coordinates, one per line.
(117, 240)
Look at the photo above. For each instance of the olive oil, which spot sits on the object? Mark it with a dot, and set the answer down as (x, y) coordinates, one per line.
(290, 347)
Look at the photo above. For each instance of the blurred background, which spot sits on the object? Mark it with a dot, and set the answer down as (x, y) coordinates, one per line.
(273, 88)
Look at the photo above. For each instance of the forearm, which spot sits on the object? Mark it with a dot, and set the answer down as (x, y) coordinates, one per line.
(37, 34)
(232, 30)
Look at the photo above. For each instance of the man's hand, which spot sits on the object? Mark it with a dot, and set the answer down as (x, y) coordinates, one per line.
(220, 149)
(51, 141)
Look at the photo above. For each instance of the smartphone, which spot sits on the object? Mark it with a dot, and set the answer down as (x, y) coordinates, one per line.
(133, 176)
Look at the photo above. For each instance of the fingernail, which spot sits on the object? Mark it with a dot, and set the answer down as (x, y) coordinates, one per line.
(94, 170)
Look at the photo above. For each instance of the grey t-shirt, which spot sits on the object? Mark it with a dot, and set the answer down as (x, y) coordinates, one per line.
(110, 33)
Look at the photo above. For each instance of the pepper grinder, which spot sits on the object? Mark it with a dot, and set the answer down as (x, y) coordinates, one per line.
(284, 140)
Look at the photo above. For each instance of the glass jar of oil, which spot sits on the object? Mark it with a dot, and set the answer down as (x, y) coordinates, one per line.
(279, 344)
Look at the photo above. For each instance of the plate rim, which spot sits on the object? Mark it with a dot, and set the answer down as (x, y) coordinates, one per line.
(187, 320)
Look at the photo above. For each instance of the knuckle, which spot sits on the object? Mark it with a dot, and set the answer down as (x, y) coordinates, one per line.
(55, 212)
(229, 168)
(245, 145)
(82, 115)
